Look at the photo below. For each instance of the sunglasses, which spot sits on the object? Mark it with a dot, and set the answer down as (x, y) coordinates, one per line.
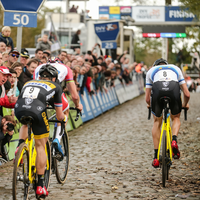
(14, 55)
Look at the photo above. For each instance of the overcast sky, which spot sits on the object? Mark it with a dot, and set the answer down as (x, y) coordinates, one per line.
(93, 5)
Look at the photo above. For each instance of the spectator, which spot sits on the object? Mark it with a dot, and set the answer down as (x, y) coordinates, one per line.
(13, 56)
(17, 66)
(113, 77)
(13, 81)
(62, 56)
(43, 43)
(1, 58)
(99, 60)
(5, 56)
(38, 54)
(80, 61)
(5, 36)
(5, 101)
(29, 69)
(108, 61)
(73, 9)
(44, 59)
(2, 47)
(24, 56)
(7, 124)
(118, 73)
(82, 78)
(76, 40)
(47, 53)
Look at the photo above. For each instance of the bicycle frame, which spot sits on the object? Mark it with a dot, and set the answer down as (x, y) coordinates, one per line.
(32, 157)
(166, 127)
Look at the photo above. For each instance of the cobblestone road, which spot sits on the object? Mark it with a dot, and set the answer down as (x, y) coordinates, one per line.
(111, 156)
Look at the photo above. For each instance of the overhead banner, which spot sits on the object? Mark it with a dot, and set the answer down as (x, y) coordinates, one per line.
(148, 13)
(107, 31)
(175, 13)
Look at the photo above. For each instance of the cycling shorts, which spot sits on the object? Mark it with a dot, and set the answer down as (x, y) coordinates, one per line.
(170, 89)
(37, 110)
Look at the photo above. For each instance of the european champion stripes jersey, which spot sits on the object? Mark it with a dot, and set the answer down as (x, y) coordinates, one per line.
(64, 72)
(164, 73)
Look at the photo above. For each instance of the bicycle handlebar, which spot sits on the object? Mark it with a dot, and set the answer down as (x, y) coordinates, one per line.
(77, 114)
(185, 113)
(149, 115)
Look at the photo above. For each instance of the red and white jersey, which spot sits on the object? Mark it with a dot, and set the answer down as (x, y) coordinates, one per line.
(64, 72)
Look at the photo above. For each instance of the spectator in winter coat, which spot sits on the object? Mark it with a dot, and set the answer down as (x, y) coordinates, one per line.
(43, 43)
(29, 69)
(5, 101)
(5, 36)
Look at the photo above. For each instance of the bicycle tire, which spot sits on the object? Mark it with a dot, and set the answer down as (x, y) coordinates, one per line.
(164, 163)
(47, 172)
(20, 174)
(3, 161)
(61, 167)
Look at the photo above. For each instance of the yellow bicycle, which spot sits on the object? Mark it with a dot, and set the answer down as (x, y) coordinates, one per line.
(165, 157)
(24, 173)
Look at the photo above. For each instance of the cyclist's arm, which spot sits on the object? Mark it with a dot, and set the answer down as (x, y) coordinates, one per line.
(148, 96)
(59, 113)
(74, 93)
(186, 94)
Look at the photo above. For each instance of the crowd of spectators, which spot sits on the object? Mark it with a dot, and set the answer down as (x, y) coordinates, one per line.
(90, 70)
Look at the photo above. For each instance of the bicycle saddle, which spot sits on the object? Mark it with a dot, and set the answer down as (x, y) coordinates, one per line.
(26, 120)
(165, 99)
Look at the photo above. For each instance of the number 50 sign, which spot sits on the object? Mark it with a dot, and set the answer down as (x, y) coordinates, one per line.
(20, 19)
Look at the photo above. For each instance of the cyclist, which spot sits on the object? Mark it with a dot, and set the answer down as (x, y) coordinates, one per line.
(165, 80)
(64, 74)
(32, 102)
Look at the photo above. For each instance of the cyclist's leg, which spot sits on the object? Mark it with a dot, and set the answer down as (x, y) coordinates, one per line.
(41, 133)
(175, 124)
(156, 131)
(66, 112)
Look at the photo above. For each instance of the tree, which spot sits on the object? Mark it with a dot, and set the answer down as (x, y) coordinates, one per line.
(193, 6)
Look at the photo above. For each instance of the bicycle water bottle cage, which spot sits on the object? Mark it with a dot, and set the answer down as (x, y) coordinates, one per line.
(26, 120)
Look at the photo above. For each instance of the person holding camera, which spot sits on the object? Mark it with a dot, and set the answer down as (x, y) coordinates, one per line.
(7, 125)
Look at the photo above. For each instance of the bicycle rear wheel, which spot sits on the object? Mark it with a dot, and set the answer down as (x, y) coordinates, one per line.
(2, 161)
(164, 163)
(61, 167)
(47, 172)
(21, 184)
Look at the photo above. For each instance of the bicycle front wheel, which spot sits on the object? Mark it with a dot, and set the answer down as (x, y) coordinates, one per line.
(21, 184)
(47, 172)
(61, 167)
(164, 163)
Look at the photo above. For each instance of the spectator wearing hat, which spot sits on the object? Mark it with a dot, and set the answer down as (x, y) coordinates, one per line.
(43, 43)
(99, 60)
(24, 56)
(5, 36)
(47, 53)
(5, 101)
(12, 57)
(2, 47)
(29, 69)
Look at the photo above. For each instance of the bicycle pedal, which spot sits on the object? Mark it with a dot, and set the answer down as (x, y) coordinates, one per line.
(59, 156)
(40, 197)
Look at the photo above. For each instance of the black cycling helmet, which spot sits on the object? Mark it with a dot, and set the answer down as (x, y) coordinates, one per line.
(53, 72)
(160, 60)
